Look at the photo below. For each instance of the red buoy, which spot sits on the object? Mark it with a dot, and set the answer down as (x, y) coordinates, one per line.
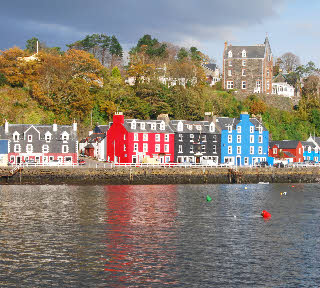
(265, 214)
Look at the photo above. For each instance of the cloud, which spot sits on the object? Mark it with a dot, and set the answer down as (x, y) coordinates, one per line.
(177, 21)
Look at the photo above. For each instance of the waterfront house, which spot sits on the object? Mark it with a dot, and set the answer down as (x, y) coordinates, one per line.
(137, 141)
(244, 140)
(310, 151)
(288, 150)
(248, 68)
(41, 143)
(197, 141)
(4, 149)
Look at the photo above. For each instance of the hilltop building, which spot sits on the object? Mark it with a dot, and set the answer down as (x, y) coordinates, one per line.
(248, 68)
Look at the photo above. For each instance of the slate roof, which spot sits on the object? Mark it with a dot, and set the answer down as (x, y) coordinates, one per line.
(285, 144)
(127, 125)
(191, 127)
(96, 137)
(224, 122)
(55, 144)
(288, 154)
(210, 66)
(101, 129)
(317, 139)
(257, 51)
(308, 143)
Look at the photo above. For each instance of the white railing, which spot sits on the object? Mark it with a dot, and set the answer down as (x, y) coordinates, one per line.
(183, 165)
(22, 165)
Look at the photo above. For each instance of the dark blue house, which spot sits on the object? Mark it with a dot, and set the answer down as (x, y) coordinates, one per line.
(244, 141)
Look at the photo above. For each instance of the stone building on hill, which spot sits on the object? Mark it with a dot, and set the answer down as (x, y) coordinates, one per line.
(248, 68)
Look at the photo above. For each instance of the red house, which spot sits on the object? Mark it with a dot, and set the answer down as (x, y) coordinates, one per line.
(134, 141)
(288, 149)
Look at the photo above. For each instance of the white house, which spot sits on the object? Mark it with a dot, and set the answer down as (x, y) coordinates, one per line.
(283, 89)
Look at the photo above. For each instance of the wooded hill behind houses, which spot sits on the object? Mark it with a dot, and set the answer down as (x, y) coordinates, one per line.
(87, 83)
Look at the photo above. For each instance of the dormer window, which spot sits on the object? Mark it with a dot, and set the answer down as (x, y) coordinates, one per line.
(180, 126)
(230, 54)
(190, 127)
(47, 137)
(29, 138)
(198, 127)
(162, 126)
(133, 125)
(143, 126)
(153, 126)
(212, 127)
(244, 53)
(65, 136)
(239, 129)
(251, 129)
(15, 136)
(260, 129)
(229, 128)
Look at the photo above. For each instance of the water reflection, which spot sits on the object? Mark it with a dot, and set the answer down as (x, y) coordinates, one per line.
(140, 235)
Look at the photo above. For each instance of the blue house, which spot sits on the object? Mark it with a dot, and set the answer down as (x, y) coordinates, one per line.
(244, 141)
(311, 149)
(4, 149)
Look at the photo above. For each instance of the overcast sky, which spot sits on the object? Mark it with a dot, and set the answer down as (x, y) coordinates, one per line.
(292, 25)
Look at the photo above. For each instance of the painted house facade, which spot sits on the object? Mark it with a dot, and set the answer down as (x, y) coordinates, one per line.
(248, 68)
(196, 141)
(244, 141)
(289, 150)
(41, 143)
(4, 150)
(135, 141)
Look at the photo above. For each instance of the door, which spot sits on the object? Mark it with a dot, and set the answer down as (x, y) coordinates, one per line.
(18, 160)
(238, 161)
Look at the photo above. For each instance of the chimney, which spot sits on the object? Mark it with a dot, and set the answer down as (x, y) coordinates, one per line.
(6, 126)
(118, 118)
(74, 125)
(54, 126)
(164, 117)
(244, 116)
(225, 45)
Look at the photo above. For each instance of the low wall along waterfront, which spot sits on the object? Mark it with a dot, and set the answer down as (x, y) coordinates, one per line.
(173, 175)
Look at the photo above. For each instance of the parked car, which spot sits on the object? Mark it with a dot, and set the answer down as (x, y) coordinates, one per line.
(279, 165)
(81, 162)
(262, 164)
(309, 162)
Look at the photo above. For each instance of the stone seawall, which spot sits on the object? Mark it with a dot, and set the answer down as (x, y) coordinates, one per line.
(119, 176)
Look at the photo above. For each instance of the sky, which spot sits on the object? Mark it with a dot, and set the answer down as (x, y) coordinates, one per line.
(291, 25)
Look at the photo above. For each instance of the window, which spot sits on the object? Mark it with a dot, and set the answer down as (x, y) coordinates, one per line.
(260, 149)
(204, 138)
(243, 72)
(29, 148)
(260, 138)
(65, 148)
(268, 73)
(29, 138)
(157, 137)
(316, 159)
(166, 148)
(244, 85)
(212, 127)
(15, 136)
(180, 137)
(143, 126)
(180, 126)
(258, 83)
(203, 148)
(274, 150)
(229, 149)
(229, 72)
(166, 137)
(229, 138)
(244, 62)
(191, 137)
(145, 137)
(68, 159)
(229, 84)
(251, 149)
(251, 138)
(135, 147)
(230, 63)
(260, 129)
(135, 137)
(124, 147)
(229, 129)
(145, 147)
(268, 85)
(299, 150)
(316, 150)
(214, 149)
(45, 149)
(251, 129)
(51, 158)
(133, 125)
(238, 138)
(180, 149)
(238, 149)
(17, 148)
(244, 53)
(214, 138)
(230, 54)
(162, 126)
(246, 160)
(65, 136)
(45, 159)
(239, 129)
(157, 148)
(124, 136)
(153, 126)
(191, 149)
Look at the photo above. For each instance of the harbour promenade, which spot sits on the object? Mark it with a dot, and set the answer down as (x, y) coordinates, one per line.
(158, 175)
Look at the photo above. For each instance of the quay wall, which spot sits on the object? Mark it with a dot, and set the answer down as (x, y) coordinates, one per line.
(151, 175)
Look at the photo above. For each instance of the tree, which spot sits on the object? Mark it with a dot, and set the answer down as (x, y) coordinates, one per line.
(115, 50)
(3, 80)
(31, 45)
(289, 62)
(182, 54)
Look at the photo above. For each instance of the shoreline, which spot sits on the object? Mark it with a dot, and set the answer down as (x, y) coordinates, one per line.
(149, 176)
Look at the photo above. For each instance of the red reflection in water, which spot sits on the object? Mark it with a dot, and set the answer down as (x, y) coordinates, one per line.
(141, 221)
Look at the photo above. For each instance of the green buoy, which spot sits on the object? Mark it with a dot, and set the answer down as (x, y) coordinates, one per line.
(209, 198)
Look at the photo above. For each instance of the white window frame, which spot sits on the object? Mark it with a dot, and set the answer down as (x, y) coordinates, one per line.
(230, 54)
(135, 137)
(157, 138)
(230, 63)
(239, 129)
(238, 138)
(162, 126)
(243, 72)
(260, 139)
(246, 160)
(29, 138)
(229, 84)
(229, 138)
(157, 148)
(65, 149)
(191, 148)
(243, 85)
(29, 148)
(145, 147)
(244, 53)
(180, 137)
(260, 150)
(180, 149)
(214, 149)
(135, 147)
(229, 129)
(229, 72)
(133, 125)
(145, 137)
(244, 62)
(45, 148)
(238, 149)
(229, 149)
(166, 137)
(143, 126)
(16, 136)
(251, 129)
(124, 147)
(251, 138)
(166, 148)
(251, 150)
(275, 151)
(17, 148)
(153, 126)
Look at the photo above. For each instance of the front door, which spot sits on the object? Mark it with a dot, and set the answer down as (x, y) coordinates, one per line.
(18, 160)
(238, 161)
